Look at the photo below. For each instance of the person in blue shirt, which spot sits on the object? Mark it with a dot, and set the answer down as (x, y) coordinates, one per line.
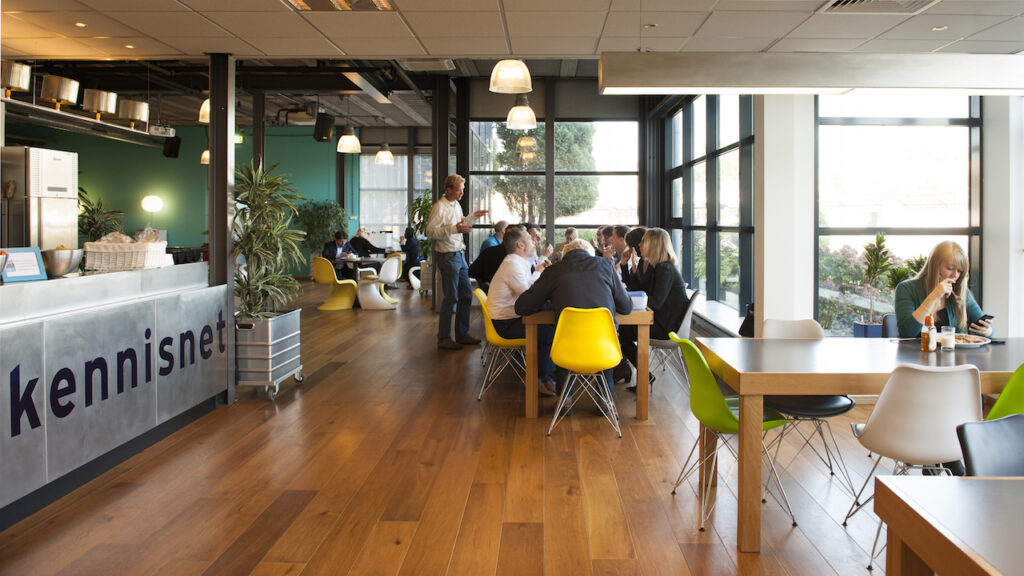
(940, 290)
(496, 238)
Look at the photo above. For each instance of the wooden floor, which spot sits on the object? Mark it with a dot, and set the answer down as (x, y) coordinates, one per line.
(384, 462)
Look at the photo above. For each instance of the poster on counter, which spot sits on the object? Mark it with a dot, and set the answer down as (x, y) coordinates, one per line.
(23, 265)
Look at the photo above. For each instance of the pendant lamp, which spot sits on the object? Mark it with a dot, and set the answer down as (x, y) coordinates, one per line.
(521, 116)
(526, 143)
(384, 156)
(205, 158)
(511, 77)
(348, 143)
(204, 112)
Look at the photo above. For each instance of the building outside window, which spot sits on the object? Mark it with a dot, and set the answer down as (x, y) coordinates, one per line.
(905, 166)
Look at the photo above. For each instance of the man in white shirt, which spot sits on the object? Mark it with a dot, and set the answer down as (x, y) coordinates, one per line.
(513, 277)
(445, 227)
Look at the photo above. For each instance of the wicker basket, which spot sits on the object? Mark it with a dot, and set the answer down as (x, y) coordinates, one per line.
(134, 256)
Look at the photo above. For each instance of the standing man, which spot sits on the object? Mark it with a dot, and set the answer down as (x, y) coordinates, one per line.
(445, 227)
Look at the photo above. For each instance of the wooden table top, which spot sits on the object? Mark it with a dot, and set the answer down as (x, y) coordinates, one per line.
(634, 317)
(843, 365)
(966, 523)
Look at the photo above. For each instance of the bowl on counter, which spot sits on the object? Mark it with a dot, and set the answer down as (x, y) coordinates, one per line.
(61, 262)
(3, 261)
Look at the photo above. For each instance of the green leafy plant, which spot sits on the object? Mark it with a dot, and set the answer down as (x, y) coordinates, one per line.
(320, 219)
(898, 274)
(95, 221)
(877, 263)
(419, 213)
(265, 204)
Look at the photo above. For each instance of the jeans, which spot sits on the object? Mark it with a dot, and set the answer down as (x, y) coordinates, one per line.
(458, 294)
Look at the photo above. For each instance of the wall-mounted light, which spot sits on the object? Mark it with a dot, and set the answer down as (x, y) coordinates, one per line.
(204, 112)
(348, 143)
(384, 156)
(521, 116)
(511, 77)
(152, 204)
(205, 158)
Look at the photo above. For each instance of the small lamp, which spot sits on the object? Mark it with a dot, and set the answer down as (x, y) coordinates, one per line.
(521, 116)
(511, 77)
(384, 156)
(205, 158)
(348, 143)
(204, 112)
(152, 204)
(525, 143)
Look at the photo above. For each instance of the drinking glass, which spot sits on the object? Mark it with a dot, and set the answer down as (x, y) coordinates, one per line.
(947, 338)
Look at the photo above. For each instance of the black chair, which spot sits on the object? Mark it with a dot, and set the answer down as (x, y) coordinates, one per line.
(993, 447)
(890, 327)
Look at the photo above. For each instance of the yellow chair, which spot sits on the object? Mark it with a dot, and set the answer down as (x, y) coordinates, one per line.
(343, 292)
(586, 344)
(504, 352)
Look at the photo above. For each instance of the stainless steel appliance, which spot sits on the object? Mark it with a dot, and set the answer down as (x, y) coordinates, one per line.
(40, 198)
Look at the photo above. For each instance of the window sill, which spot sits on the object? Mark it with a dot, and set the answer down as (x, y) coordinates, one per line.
(716, 318)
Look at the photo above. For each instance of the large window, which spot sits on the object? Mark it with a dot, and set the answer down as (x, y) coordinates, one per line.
(384, 191)
(905, 166)
(592, 180)
(709, 157)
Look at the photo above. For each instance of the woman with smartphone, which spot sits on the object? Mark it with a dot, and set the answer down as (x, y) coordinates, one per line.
(940, 291)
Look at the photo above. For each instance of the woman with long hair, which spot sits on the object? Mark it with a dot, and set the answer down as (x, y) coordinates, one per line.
(940, 290)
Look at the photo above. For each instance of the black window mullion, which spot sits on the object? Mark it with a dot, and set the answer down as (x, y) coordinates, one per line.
(746, 235)
(712, 237)
(689, 253)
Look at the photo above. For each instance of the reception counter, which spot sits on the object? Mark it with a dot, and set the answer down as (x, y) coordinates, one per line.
(91, 363)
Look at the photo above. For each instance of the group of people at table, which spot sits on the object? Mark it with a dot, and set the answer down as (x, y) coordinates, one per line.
(340, 251)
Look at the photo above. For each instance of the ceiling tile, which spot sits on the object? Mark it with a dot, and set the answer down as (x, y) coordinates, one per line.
(575, 6)
(15, 28)
(537, 24)
(157, 24)
(627, 44)
(198, 46)
(668, 24)
(405, 6)
(1009, 31)
(63, 23)
(359, 25)
(262, 24)
(136, 5)
(548, 46)
(845, 26)
(463, 47)
(238, 5)
(663, 5)
(816, 45)
(921, 27)
(996, 8)
(309, 47)
(374, 48)
(750, 24)
(713, 44)
(438, 24)
(53, 48)
(144, 47)
(806, 6)
(42, 5)
(984, 47)
(885, 46)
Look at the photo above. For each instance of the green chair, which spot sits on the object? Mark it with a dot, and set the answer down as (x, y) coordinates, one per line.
(720, 416)
(1011, 399)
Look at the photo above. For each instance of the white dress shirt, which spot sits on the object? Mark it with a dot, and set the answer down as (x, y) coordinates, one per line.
(441, 226)
(512, 279)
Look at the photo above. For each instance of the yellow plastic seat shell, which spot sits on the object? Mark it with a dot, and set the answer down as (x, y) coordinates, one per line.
(343, 292)
(502, 352)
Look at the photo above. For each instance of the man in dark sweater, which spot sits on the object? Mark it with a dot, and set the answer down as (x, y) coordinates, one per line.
(333, 251)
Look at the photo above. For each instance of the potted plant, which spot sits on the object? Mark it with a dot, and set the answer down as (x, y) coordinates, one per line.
(905, 271)
(320, 219)
(267, 336)
(95, 221)
(877, 263)
(419, 214)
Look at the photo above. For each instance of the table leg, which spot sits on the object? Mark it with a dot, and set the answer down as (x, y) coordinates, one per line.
(900, 560)
(748, 522)
(531, 370)
(709, 466)
(643, 360)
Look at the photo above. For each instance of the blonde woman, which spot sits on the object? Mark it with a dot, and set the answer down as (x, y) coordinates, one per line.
(666, 293)
(940, 290)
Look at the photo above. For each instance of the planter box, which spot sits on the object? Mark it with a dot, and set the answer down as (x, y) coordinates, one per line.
(268, 351)
(862, 330)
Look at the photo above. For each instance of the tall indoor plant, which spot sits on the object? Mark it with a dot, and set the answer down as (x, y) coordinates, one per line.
(320, 219)
(877, 263)
(419, 214)
(267, 338)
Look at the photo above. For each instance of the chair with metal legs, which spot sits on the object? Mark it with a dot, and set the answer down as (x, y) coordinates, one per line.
(504, 353)
(665, 353)
(586, 344)
(915, 420)
(719, 416)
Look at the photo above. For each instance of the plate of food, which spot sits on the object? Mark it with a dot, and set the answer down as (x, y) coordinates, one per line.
(970, 341)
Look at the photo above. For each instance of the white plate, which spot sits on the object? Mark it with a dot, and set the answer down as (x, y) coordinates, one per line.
(977, 344)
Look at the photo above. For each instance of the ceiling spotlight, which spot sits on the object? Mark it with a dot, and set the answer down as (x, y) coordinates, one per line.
(511, 77)
(521, 116)
(129, 46)
(940, 28)
(80, 24)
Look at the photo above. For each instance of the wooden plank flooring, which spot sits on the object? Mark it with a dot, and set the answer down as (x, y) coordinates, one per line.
(384, 462)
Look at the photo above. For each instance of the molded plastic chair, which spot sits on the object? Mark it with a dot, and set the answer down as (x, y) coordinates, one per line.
(720, 416)
(993, 447)
(915, 421)
(414, 277)
(504, 352)
(811, 408)
(665, 353)
(1011, 399)
(371, 288)
(389, 274)
(890, 327)
(343, 292)
(586, 344)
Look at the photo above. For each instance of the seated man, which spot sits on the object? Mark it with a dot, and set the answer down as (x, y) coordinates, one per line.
(411, 247)
(578, 280)
(333, 251)
(487, 263)
(511, 280)
(496, 238)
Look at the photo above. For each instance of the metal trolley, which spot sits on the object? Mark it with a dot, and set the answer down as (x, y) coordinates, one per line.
(268, 352)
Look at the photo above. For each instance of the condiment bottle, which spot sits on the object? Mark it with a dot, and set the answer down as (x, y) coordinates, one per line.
(927, 335)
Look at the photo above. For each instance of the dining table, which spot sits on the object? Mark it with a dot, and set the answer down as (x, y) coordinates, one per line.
(755, 367)
(642, 319)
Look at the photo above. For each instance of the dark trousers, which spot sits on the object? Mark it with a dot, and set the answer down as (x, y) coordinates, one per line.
(514, 328)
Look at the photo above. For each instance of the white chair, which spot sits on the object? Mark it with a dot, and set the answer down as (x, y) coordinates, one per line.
(414, 277)
(371, 288)
(665, 353)
(915, 420)
(389, 274)
(812, 409)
